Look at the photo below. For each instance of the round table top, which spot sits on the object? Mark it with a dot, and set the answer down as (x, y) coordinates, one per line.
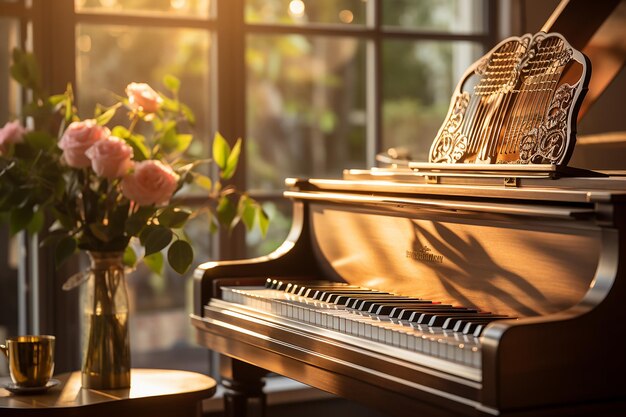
(145, 384)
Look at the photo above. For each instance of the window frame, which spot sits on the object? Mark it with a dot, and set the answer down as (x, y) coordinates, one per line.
(49, 29)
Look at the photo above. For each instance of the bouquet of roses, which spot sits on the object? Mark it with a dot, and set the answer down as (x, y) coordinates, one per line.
(99, 187)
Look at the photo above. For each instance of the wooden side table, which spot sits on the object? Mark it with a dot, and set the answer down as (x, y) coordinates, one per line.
(153, 392)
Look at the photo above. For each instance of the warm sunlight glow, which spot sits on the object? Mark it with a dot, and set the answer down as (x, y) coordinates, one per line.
(346, 16)
(178, 4)
(296, 8)
(108, 3)
(83, 43)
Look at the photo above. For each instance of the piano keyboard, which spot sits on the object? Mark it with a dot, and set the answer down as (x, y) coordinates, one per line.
(438, 330)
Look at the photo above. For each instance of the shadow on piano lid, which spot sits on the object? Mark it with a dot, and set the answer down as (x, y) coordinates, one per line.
(504, 227)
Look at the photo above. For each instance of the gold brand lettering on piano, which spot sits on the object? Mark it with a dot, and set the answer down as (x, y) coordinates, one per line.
(422, 254)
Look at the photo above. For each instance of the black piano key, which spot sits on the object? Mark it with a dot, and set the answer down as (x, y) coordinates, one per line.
(330, 295)
(319, 289)
(317, 293)
(310, 290)
(385, 309)
(405, 313)
(412, 314)
(455, 323)
(425, 318)
(272, 283)
(358, 300)
(366, 304)
(473, 326)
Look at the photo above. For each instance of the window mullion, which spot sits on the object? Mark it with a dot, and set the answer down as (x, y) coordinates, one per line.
(374, 84)
(231, 102)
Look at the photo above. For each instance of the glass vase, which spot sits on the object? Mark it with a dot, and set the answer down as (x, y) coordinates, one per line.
(105, 337)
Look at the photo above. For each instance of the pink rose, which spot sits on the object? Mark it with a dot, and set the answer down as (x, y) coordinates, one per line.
(78, 137)
(110, 157)
(151, 182)
(12, 133)
(142, 97)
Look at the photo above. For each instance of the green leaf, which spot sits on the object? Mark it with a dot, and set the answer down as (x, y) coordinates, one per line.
(247, 211)
(180, 256)
(154, 262)
(40, 140)
(18, 70)
(36, 223)
(56, 99)
(221, 150)
(226, 211)
(53, 238)
(20, 218)
(173, 217)
(65, 220)
(137, 142)
(168, 140)
(65, 248)
(231, 162)
(106, 117)
(171, 82)
(157, 239)
(264, 220)
(188, 113)
(33, 69)
(183, 141)
(146, 231)
(203, 181)
(130, 257)
(120, 132)
(69, 95)
(140, 151)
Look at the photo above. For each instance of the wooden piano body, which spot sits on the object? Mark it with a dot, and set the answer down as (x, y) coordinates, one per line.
(547, 251)
(544, 245)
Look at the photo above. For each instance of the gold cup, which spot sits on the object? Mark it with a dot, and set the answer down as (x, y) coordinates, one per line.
(31, 360)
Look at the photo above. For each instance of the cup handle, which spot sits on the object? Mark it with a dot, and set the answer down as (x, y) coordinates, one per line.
(4, 350)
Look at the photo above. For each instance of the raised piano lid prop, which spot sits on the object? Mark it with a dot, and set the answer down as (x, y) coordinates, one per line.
(495, 222)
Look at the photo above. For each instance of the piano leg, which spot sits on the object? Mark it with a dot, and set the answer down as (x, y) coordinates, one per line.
(243, 383)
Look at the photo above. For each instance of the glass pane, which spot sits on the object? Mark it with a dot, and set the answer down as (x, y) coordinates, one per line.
(418, 80)
(306, 11)
(279, 212)
(197, 8)
(9, 104)
(305, 107)
(457, 16)
(161, 333)
(108, 58)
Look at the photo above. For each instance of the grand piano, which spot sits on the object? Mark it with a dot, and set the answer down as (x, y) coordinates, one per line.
(489, 281)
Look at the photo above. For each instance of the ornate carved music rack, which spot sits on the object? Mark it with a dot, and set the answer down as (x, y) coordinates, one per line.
(514, 111)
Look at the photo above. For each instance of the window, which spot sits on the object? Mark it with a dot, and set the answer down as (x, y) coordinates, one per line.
(314, 86)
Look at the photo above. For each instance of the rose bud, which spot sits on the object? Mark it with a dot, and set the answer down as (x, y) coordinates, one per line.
(142, 97)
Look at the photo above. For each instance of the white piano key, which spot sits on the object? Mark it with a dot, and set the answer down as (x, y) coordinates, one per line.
(436, 342)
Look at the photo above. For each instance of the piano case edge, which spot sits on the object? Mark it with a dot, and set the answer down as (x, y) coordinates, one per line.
(292, 258)
(542, 362)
